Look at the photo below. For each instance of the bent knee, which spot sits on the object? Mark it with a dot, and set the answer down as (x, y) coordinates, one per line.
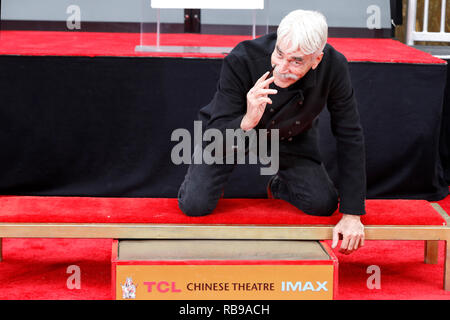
(323, 209)
(195, 207)
(321, 206)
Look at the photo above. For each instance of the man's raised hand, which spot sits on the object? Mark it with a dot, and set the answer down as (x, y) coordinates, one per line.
(257, 99)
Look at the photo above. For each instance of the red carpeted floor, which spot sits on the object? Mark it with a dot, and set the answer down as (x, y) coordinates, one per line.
(29, 209)
(91, 44)
(37, 269)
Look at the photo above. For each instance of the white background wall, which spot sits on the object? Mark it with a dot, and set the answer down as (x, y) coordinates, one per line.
(339, 13)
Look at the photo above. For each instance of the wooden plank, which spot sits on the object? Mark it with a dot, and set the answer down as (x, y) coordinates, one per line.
(431, 251)
(442, 212)
(447, 265)
(191, 231)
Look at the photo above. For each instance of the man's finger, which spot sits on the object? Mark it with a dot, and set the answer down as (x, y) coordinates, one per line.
(263, 77)
(344, 244)
(266, 100)
(335, 238)
(266, 83)
(265, 92)
(356, 244)
(351, 243)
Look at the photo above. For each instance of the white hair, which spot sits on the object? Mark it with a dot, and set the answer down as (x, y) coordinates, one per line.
(304, 30)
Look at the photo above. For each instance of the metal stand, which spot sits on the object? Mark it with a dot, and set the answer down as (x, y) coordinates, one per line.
(183, 49)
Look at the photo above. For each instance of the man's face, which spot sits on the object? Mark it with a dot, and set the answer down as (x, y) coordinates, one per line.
(290, 66)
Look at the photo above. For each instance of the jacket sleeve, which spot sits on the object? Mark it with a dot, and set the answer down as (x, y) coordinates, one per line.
(346, 127)
(229, 103)
(228, 107)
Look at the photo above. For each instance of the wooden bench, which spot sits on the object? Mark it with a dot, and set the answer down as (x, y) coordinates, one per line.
(152, 218)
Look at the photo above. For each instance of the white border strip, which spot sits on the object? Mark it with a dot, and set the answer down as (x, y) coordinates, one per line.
(208, 4)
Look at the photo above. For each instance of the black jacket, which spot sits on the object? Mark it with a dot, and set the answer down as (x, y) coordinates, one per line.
(295, 110)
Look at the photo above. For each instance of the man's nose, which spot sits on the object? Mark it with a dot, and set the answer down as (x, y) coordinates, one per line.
(283, 66)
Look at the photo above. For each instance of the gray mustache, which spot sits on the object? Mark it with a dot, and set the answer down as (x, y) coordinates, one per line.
(286, 75)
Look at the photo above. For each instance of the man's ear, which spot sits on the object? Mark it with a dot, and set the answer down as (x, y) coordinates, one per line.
(317, 61)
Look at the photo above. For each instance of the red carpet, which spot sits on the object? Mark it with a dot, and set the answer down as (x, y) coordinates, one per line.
(91, 44)
(228, 211)
(404, 276)
(36, 269)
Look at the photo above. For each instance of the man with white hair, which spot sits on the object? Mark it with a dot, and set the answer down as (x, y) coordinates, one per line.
(308, 74)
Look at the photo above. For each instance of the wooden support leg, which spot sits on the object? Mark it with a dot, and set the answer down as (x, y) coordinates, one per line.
(431, 251)
(447, 266)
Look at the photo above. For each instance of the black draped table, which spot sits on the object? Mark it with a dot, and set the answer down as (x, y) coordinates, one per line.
(102, 126)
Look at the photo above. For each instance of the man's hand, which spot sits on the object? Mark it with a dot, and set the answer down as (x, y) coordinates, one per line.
(257, 99)
(352, 231)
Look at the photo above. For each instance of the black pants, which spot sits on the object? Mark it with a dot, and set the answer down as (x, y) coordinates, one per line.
(300, 181)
